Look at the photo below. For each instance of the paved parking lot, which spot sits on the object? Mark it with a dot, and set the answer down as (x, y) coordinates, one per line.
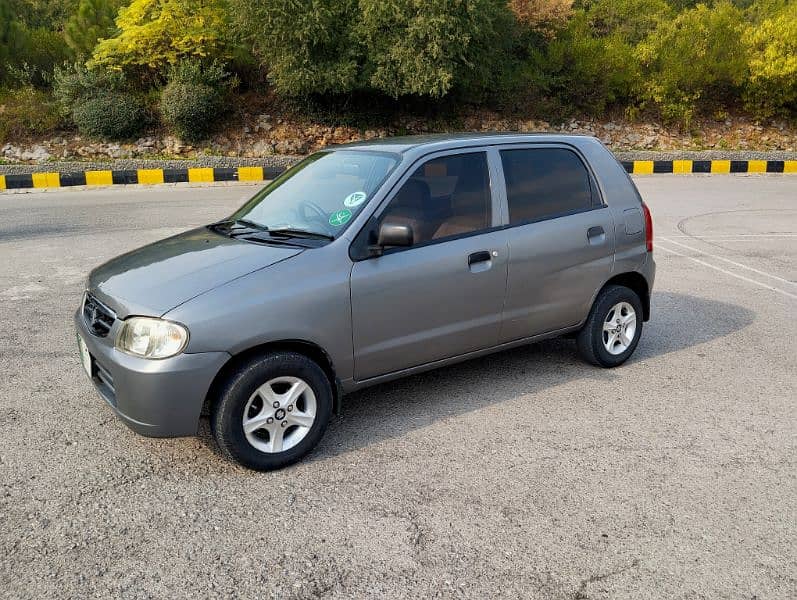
(526, 474)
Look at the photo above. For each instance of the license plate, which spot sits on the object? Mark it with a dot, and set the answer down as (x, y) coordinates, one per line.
(85, 357)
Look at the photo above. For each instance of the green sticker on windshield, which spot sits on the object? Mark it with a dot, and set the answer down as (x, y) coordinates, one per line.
(341, 217)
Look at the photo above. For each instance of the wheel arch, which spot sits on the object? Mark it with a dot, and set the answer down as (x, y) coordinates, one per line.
(636, 282)
(306, 348)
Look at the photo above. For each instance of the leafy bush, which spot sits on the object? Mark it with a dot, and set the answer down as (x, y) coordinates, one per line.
(111, 115)
(100, 103)
(695, 60)
(396, 47)
(542, 15)
(27, 111)
(579, 72)
(631, 20)
(194, 98)
(772, 82)
(156, 33)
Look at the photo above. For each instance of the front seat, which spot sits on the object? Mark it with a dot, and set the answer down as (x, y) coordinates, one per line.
(412, 206)
(470, 206)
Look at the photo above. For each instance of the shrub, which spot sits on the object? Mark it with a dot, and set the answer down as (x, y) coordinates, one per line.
(100, 103)
(696, 60)
(579, 72)
(27, 111)
(192, 101)
(631, 20)
(542, 14)
(154, 34)
(111, 115)
(396, 47)
(772, 81)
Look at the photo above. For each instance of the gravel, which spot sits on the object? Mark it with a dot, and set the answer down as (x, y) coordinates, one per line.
(526, 474)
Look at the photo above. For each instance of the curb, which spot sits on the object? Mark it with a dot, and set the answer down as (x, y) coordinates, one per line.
(648, 167)
(140, 176)
(214, 174)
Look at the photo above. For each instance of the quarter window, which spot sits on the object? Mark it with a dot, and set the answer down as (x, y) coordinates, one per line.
(543, 183)
(444, 197)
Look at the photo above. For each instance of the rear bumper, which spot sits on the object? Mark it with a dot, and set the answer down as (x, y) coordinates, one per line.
(648, 271)
(157, 398)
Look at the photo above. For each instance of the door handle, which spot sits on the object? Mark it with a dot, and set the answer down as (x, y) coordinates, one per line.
(596, 235)
(478, 257)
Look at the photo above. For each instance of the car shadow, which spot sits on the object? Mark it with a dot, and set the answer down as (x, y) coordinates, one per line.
(679, 321)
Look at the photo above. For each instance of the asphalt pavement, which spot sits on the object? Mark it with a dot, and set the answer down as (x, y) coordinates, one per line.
(526, 474)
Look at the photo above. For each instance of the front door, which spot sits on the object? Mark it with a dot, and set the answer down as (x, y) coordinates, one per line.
(443, 296)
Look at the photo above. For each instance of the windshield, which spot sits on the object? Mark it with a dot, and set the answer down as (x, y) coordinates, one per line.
(321, 194)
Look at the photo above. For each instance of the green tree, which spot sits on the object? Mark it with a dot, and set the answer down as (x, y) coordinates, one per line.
(579, 71)
(772, 81)
(93, 21)
(396, 47)
(429, 48)
(695, 60)
(156, 33)
(632, 20)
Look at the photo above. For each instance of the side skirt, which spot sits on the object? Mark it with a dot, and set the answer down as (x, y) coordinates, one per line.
(353, 385)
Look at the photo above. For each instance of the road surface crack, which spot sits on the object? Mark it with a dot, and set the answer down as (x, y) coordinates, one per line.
(581, 592)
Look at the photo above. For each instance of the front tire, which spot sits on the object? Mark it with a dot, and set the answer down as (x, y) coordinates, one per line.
(613, 328)
(272, 410)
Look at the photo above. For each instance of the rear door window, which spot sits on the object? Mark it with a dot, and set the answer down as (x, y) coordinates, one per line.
(543, 183)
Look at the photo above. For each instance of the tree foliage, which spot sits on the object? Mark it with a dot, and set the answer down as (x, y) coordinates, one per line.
(93, 21)
(156, 33)
(543, 15)
(395, 47)
(696, 58)
(772, 83)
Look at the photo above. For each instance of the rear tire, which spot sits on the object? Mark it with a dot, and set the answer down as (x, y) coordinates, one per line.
(272, 410)
(613, 328)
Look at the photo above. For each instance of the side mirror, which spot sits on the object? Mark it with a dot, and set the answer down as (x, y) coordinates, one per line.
(392, 234)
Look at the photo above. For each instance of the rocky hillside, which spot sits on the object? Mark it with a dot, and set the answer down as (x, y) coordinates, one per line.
(265, 135)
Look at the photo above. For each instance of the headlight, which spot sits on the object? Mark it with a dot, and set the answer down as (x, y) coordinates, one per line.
(151, 338)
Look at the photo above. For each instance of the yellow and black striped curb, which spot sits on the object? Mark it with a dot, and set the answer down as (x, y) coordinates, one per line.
(212, 174)
(648, 167)
(143, 176)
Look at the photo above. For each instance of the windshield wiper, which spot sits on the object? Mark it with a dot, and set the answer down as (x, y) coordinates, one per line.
(301, 233)
(237, 227)
(250, 224)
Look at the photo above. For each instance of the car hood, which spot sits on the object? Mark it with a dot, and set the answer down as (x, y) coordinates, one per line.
(156, 278)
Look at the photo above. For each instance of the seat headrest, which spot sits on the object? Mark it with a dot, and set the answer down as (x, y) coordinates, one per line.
(413, 194)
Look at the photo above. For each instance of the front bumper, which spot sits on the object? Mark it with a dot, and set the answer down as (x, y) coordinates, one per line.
(157, 398)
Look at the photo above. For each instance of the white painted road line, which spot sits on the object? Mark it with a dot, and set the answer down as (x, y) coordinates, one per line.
(721, 270)
(727, 260)
(724, 236)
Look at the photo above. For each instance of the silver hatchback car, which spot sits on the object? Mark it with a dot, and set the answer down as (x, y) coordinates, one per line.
(361, 264)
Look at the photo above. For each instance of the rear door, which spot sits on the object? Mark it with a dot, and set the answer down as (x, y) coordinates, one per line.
(443, 296)
(560, 236)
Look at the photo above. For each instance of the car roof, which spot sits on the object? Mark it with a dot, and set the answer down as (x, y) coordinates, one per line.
(442, 141)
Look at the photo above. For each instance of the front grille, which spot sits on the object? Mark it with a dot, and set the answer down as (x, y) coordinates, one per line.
(98, 317)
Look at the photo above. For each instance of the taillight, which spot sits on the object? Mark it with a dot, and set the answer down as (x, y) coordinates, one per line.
(648, 227)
